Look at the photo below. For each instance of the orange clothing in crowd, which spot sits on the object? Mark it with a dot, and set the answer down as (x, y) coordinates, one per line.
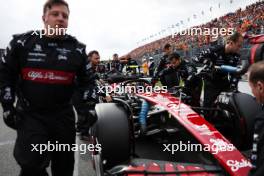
(145, 68)
(232, 20)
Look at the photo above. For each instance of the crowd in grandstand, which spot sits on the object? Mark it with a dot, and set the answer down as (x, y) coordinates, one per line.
(250, 21)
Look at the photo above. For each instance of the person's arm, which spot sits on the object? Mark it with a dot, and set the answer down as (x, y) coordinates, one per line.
(257, 157)
(242, 69)
(205, 56)
(184, 71)
(160, 67)
(239, 70)
(9, 72)
(164, 72)
(259, 171)
(86, 84)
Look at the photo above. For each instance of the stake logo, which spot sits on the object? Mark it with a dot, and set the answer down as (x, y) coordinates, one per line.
(236, 165)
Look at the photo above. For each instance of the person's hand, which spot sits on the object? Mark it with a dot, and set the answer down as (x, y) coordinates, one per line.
(108, 99)
(101, 81)
(207, 62)
(11, 118)
(217, 69)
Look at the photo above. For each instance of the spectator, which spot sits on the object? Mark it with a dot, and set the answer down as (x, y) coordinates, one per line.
(151, 66)
(145, 67)
(250, 20)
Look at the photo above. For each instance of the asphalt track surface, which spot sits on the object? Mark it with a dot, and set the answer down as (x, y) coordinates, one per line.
(83, 165)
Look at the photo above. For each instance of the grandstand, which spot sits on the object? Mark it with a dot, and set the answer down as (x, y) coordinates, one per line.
(248, 21)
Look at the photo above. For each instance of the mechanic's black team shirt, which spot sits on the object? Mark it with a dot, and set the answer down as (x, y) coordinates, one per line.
(257, 156)
(45, 68)
(164, 61)
(115, 65)
(172, 76)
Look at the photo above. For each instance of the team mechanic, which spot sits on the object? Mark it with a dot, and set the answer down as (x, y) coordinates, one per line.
(256, 83)
(85, 122)
(178, 71)
(115, 65)
(42, 72)
(220, 55)
(164, 61)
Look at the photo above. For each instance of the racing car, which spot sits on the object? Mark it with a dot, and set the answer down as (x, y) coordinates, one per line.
(142, 133)
(139, 135)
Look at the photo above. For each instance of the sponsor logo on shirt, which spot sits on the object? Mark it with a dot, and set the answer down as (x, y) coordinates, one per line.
(38, 48)
(47, 76)
(62, 57)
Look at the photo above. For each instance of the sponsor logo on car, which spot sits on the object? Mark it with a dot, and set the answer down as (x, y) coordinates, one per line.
(204, 130)
(236, 165)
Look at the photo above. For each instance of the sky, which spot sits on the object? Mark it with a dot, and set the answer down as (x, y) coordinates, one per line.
(115, 26)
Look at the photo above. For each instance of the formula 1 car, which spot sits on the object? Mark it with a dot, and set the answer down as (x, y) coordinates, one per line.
(142, 134)
(257, 49)
(163, 133)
